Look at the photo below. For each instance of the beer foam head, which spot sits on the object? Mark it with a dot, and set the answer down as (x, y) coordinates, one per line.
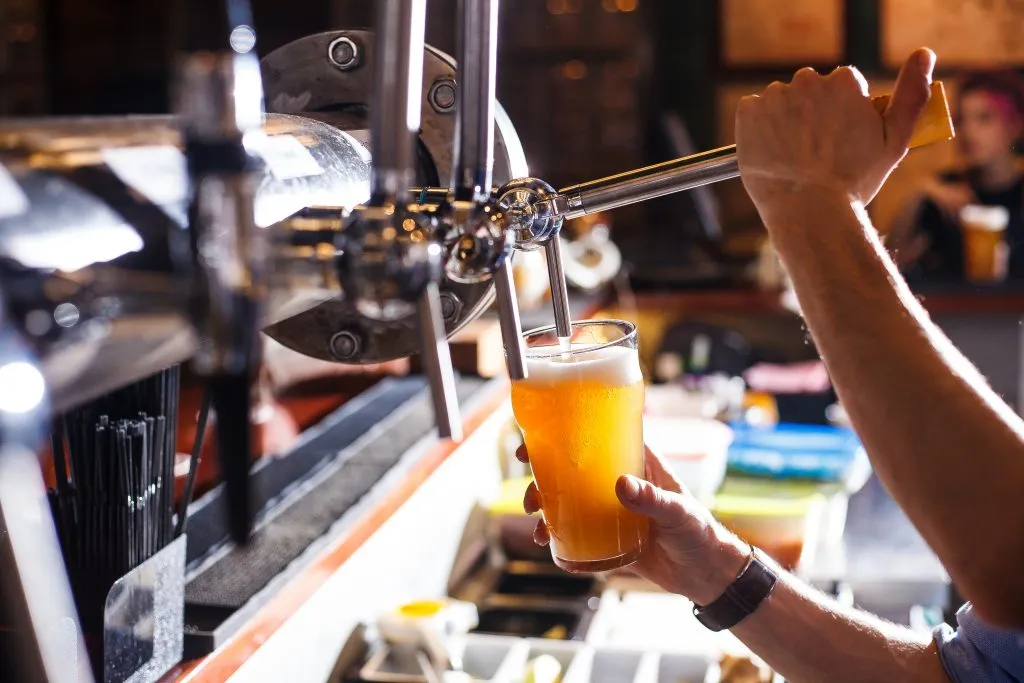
(994, 218)
(612, 365)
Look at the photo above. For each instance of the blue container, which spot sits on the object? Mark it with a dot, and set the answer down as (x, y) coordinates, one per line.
(797, 451)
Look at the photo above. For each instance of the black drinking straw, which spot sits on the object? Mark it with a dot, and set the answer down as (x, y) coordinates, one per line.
(194, 460)
(114, 467)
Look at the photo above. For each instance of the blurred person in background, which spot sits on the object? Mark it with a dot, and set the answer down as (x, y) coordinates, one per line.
(926, 235)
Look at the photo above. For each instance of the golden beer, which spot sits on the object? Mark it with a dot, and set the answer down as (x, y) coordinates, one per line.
(986, 254)
(581, 413)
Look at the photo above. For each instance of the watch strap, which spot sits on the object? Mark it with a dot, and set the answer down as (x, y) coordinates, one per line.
(752, 586)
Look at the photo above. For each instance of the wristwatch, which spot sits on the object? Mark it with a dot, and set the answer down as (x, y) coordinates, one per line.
(755, 582)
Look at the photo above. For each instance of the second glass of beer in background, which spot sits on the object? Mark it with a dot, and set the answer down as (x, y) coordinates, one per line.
(581, 413)
(986, 253)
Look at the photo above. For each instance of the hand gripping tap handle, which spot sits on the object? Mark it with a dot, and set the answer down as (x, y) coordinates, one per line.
(631, 187)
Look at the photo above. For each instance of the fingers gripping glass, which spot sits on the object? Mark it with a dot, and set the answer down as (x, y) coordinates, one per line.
(581, 413)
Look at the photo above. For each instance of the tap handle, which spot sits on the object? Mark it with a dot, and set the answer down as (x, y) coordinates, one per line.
(623, 189)
(559, 292)
(508, 317)
(473, 153)
(437, 360)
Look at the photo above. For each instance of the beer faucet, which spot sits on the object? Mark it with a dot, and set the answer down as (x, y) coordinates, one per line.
(390, 257)
(481, 247)
(220, 104)
(487, 228)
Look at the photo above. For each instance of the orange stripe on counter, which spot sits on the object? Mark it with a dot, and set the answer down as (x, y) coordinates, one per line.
(225, 662)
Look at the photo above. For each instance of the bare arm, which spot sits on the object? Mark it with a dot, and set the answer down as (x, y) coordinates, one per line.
(806, 636)
(801, 633)
(949, 450)
(811, 155)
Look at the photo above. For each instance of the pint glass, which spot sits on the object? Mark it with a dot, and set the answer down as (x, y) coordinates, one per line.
(581, 413)
(986, 253)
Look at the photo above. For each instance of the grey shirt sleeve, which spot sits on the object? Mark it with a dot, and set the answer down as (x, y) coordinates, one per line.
(978, 653)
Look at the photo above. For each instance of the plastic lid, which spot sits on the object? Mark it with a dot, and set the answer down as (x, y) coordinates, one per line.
(758, 487)
(994, 218)
(750, 506)
(422, 608)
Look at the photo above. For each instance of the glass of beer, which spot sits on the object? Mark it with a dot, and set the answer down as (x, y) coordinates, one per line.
(581, 413)
(986, 254)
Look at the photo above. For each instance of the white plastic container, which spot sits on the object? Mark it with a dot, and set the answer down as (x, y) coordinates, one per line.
(604, 666)
(695, 450)
(671, 400)
(832, 524)
(685, 669)
(787, 529)
(564, 651)
(488, 658)
(658, 622)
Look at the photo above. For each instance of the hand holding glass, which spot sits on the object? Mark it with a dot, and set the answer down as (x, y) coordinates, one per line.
(581, 413)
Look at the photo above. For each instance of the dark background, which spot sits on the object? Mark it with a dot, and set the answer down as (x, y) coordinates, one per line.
(587, 83)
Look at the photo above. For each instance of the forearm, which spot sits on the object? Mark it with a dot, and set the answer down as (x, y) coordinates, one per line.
(949, 450)
(806, 636)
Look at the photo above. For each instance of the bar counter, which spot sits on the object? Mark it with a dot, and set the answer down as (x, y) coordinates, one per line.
(394, 543)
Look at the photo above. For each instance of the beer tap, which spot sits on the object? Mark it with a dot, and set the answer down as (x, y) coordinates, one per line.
(489, 228)
(390, 256)
(482, 247)
(526, 205)
(220, 103)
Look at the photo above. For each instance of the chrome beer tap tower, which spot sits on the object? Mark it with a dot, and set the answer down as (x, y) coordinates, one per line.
(301, 196)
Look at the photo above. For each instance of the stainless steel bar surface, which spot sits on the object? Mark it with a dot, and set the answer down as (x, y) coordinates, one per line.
(650, 182)
(473, 154)
(395, 109)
